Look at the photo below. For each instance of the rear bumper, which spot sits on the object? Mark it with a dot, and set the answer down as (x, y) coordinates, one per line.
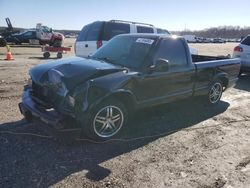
(54, 120)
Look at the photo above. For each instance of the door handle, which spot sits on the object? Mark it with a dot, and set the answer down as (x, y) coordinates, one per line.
(86, 45)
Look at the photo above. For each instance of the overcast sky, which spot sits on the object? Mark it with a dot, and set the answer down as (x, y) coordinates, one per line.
(174, 15)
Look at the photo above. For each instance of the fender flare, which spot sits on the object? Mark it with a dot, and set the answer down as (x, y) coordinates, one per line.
(223, 77)
(116, 93)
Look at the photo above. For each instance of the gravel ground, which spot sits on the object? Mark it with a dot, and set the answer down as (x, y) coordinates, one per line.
(197, 146)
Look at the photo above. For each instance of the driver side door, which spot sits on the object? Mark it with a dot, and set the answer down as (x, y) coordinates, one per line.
(177, 82)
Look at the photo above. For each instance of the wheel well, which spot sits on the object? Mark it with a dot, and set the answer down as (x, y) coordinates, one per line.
(224, 81)
(126, 99)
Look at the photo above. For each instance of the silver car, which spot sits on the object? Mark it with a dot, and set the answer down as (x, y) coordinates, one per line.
(242, 51)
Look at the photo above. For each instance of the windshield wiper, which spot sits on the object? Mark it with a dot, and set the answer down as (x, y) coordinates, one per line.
(106, 59)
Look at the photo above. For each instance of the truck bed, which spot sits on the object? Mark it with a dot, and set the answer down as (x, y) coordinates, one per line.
(207, 67)
(201, 58)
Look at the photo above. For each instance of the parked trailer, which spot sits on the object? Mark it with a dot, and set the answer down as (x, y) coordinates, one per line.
(59, 50)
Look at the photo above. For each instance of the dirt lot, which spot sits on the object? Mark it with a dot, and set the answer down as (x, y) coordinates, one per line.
(198, 146)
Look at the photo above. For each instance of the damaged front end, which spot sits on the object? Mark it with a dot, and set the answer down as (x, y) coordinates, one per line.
(63, 93)
(60, 123)
(51, 103)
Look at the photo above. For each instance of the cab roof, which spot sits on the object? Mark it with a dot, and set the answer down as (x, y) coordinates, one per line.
(151, 35)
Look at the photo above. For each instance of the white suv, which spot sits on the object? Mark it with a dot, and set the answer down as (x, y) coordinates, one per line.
(96, 34)
(242, 51)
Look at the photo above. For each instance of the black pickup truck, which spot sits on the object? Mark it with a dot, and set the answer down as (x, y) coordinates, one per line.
(96, 95)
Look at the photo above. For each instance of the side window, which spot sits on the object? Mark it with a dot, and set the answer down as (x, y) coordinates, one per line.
(141, 29)
(29, 33)
(172, 50)
(33, 33)
(45, 29)
(94, 31)
(162, 31)
(113, 29)
(83, 34)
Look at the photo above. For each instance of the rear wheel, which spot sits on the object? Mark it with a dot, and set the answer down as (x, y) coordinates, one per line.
(46, 55)
(107, 120)
(215, 92)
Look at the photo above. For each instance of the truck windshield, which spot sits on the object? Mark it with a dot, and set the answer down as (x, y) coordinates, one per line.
(126, 51)
(46, 29)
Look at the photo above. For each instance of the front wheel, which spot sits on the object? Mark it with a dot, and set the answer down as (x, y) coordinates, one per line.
(107, 120)
(215, 92)
(46, 55)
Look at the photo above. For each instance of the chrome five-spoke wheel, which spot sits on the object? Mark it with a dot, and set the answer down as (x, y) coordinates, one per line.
(108, 121)
(215, 92)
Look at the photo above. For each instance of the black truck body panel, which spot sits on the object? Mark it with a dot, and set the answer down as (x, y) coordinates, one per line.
(88, 81)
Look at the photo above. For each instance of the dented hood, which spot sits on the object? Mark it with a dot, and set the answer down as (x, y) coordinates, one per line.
(73, 71)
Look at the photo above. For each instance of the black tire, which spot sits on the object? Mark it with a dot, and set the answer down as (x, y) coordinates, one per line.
(46, 55)
(28, 117)
(215, 92)
(59, 55)
(240, 73)
(106, 120)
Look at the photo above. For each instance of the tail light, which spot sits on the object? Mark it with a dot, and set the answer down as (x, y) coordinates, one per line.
(238, 49)
(99, 44)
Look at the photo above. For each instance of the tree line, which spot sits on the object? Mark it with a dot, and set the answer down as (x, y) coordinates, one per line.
(232, 32)
(227, 32)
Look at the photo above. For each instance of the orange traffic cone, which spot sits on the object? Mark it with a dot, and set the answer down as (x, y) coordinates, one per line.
(9, 56)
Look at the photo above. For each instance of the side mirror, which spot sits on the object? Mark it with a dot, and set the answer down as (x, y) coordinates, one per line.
(161, 65)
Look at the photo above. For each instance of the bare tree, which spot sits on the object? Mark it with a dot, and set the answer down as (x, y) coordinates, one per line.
(218, 32)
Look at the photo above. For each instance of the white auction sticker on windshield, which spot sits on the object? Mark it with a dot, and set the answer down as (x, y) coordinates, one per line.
(145, 41)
